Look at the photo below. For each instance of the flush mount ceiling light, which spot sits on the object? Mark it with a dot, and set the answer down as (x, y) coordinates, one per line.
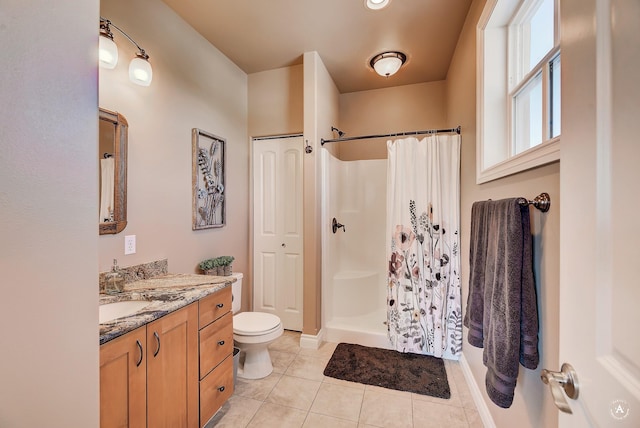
(140, 71)
(376, 4)
(388, 63)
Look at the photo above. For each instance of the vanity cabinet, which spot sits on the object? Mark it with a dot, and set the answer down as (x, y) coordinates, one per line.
(216, 352)
(176, 371)
(123, 381)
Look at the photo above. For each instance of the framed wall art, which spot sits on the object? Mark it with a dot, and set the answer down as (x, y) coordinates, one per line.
(208, 179)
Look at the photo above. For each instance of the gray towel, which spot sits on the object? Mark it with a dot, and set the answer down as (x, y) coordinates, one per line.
(502, 312)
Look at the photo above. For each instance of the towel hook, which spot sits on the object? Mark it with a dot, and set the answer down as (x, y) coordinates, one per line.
(541, 202)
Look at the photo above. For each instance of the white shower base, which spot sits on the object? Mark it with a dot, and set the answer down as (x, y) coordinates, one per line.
(358, 315)
(366, 330)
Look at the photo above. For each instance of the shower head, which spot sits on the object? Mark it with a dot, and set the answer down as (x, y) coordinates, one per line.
(340, 133)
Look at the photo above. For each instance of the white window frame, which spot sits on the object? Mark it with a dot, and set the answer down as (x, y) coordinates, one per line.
(495, 90)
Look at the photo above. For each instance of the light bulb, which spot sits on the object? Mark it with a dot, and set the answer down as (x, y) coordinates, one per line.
(107, 52)
(376, 4)
(140, 71)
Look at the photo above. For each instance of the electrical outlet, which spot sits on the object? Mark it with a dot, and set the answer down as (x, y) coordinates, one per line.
(130, 244)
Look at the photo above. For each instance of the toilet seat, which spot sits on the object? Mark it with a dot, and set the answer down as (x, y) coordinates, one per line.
(255, 323)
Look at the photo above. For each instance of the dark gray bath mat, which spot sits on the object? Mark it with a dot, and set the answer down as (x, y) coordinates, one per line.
(422, 374)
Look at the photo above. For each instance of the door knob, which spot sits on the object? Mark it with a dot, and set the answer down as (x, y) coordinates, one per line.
(567, 380)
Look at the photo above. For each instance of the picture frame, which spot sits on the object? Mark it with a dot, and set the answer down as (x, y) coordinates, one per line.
(208, 180)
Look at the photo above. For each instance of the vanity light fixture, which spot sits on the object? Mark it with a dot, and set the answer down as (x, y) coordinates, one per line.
(376, 4)
(140, 71)
(388, 63)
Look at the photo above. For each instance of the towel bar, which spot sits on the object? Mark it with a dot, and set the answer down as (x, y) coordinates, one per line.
(541, 202)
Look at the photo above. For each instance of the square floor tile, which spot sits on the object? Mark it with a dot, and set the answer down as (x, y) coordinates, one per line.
(433, 415)
(258, 389)
(281, 360)
(386, 409)
(324, 351)
(288, 342)
(315, 420)
(307, 367)
(271, 415)
(294, 392)
(235, 413)
(338, 401)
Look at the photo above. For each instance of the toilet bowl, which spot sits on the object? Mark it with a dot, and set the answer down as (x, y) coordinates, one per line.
(252, 333)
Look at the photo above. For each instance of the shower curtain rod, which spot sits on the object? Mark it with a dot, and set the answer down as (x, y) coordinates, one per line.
(396, 134)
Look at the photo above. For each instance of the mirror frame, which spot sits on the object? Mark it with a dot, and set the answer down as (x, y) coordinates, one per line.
(120, 179)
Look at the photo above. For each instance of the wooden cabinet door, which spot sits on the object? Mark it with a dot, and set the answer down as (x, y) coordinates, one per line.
(123, 381)
(172, 370)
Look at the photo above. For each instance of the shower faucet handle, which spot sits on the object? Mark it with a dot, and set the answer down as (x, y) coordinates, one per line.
(335, 226)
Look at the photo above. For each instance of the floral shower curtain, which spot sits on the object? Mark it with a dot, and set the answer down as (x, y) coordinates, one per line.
(424, 312)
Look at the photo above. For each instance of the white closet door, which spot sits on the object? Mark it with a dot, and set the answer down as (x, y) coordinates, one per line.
(277, 229)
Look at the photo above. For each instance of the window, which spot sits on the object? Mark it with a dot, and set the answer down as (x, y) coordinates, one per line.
(518, 87)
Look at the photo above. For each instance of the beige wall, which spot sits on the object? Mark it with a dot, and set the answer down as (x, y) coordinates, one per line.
(194, 86)
(401, 108)
(321, 108)
(276, 102)
(48, 206)
(532, 405)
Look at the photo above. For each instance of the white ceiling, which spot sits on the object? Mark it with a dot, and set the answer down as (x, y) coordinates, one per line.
(260, 35)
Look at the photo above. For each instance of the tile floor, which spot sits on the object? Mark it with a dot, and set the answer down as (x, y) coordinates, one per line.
(297, 394)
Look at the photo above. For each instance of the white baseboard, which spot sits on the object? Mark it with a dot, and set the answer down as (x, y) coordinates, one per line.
(481, 405)
(309, 341)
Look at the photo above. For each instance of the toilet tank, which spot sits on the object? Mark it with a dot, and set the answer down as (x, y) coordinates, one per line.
(236, 292)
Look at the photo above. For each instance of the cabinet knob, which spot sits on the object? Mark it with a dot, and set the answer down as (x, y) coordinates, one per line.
(221, 342)
(221, 388)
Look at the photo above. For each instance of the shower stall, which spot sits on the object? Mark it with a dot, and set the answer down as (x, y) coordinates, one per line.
(354, 267)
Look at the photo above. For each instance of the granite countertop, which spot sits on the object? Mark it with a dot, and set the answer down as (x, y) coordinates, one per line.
(169, 292)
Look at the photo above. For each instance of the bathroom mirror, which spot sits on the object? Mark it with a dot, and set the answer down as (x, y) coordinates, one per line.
(112, 158)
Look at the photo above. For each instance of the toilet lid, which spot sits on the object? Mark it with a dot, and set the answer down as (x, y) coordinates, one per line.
(253, 323)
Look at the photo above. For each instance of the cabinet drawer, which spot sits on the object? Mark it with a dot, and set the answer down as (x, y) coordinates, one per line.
(216, 343)
(214, 306)
(215, 389)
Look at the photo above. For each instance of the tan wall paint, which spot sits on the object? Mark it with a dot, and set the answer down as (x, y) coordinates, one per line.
(532, 406)
(321, 107)
(401, 108)
(48, 206)
(194, 86)
(276, 102)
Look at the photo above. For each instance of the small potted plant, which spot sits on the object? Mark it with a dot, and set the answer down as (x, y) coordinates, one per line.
(210, 266)
(225, 262)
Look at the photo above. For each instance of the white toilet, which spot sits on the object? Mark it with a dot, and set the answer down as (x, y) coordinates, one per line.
(252, 333)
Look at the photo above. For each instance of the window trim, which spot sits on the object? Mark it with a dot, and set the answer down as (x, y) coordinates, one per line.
(494, 113)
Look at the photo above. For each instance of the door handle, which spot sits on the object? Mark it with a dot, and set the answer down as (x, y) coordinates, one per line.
(567, 380)
(155, 334)
(141, 353)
